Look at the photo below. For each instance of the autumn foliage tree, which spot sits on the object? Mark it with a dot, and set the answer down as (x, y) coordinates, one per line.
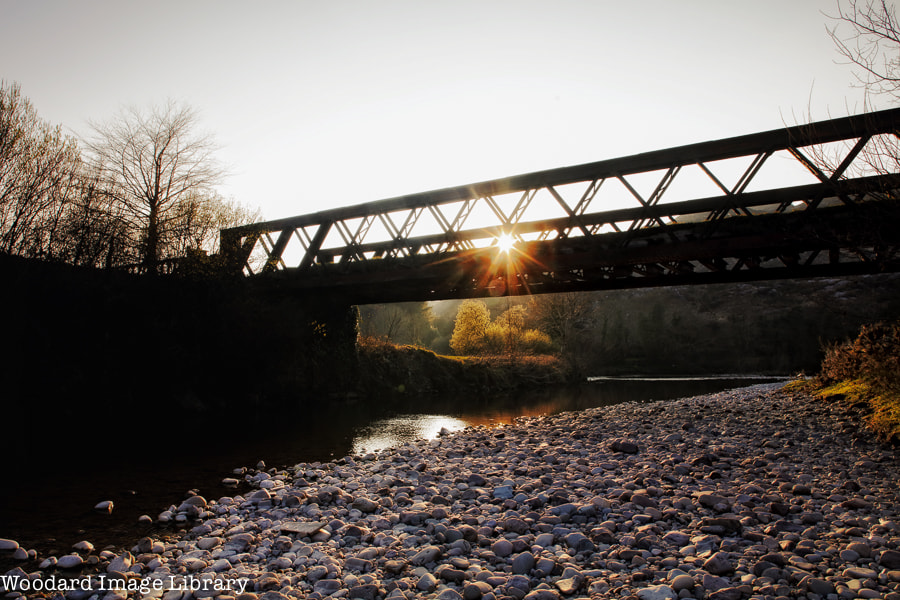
(472, 321)
(475, 333)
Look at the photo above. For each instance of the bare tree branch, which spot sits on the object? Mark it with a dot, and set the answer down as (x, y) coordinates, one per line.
(155, 164)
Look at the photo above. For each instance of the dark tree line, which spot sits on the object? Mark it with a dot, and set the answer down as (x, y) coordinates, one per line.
(140, 191)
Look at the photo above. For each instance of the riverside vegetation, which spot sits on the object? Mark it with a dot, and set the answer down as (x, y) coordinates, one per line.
(865, 374)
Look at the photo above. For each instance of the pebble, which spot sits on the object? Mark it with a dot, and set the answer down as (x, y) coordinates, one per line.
(657, 592)
(70, 561)
(756, 493)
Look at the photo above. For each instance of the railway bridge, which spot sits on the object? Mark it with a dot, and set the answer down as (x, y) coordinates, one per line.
(794, 202)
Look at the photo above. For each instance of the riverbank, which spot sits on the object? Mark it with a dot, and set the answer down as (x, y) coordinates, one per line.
(386, 368)
(757, 492)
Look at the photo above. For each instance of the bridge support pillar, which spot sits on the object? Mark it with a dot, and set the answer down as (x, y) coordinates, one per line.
(332, 332)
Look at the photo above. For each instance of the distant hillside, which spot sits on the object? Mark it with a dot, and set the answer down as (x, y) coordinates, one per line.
(766, 327)
(778, 327)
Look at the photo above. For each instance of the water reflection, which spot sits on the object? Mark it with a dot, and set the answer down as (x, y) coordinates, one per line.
(406, 425)
(386, 433)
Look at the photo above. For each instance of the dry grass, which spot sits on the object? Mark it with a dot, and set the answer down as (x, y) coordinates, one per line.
(866, 372)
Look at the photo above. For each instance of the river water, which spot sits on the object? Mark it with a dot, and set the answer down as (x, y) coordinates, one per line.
(47, 503)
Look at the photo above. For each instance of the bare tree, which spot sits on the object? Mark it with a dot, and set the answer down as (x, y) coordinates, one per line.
(198, 221)
(867, 35)
(155, 164)
(563, 316)
(38, 176)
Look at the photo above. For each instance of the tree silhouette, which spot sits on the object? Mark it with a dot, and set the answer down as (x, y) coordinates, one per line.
(157, 166)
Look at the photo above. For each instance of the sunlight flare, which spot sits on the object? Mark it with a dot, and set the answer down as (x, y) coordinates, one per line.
(505, 242)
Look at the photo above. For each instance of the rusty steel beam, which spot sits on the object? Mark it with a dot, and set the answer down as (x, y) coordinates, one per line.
(700, 238)
(821, 132)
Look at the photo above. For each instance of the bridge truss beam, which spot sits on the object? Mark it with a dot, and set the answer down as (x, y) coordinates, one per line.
(446, 243)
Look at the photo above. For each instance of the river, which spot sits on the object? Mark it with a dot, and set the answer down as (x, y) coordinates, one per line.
(47, 503)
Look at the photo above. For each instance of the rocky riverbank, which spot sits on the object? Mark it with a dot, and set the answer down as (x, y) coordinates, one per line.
(752, 493)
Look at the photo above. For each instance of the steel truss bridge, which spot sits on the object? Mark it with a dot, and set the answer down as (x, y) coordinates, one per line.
(802, 201)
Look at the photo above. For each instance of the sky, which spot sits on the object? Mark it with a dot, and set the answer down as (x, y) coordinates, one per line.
(321, 104)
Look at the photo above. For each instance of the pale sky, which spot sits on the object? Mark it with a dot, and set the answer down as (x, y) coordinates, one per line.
(320, 104)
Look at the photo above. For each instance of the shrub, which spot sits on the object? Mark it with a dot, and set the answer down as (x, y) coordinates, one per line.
(868, 369)
(873, 355)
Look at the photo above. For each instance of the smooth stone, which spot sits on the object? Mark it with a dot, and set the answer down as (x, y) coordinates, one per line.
(718, 564)
(542, 595)
(568, 586)
(677, 538)
(449, 594)
(8, 545)
(859, 573)
(580, 543)
(503, 492)
(728, 593)
(220, 565)
(208, 543)
(889, 559)
(682, 582)
(860, 548)
(476, 590)
(303, 529)
(711, 500)
(365, 505)
(105, 506)
(367, 591)
(427, 583)
(121, 563)
(70, 561)
(83, 546)
(849, 556)
(502, 548)
(818, 586)
(327, 586)
(523, 563)
(657, 592)
(426, 555)
(624, 446)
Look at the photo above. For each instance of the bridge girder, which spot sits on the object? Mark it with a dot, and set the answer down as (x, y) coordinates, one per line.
(843, 222)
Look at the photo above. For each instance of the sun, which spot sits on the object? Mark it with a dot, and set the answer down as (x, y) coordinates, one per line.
(505, 242)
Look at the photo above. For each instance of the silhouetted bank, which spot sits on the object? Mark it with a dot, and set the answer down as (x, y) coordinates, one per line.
(389, 368)
(100, 349)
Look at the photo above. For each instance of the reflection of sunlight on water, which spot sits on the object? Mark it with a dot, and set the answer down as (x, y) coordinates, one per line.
(600, 391)
(386, 433)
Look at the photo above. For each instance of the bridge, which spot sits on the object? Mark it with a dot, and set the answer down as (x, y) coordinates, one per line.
(801, 201)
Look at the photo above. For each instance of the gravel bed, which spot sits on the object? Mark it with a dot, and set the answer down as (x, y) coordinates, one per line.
(751, 493)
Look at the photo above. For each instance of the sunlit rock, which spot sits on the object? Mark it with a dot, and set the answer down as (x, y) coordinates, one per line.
(70, 561)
